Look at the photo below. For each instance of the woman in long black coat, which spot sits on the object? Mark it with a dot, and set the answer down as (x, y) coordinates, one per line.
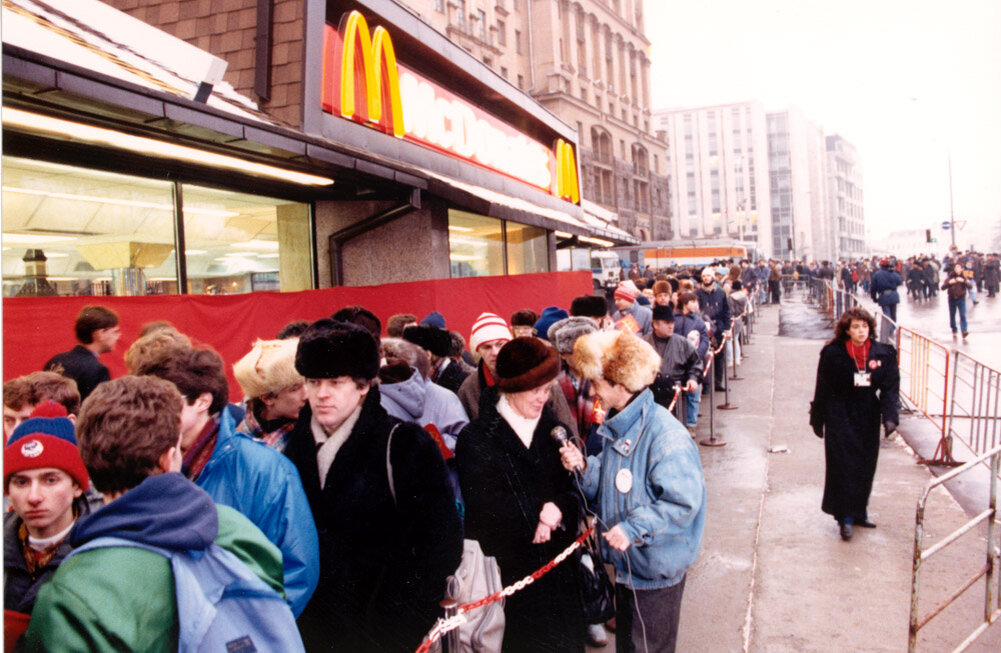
(858, 383)
(520, 502)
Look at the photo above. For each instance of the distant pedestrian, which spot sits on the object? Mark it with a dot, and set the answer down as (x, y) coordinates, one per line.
(885, 282)
(97, 332)
(957, 286)
(857, 387)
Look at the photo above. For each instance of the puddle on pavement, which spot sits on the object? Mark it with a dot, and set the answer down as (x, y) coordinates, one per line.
(801, 320)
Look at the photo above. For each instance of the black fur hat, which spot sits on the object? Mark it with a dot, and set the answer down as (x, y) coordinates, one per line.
(435, 340)
(329, 349)
(589, 306)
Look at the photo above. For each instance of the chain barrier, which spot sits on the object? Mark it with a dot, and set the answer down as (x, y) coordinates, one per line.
(444, 626)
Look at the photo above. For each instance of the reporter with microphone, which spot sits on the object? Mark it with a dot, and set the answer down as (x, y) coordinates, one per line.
(650, 491)
(521, 504)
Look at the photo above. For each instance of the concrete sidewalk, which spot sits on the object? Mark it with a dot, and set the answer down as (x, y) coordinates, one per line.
(773, 574)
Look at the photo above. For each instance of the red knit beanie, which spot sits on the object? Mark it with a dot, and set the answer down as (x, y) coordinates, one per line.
(46, 439)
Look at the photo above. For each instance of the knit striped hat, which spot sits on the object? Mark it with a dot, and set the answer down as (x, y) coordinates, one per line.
(627, 290)
(488, 327)
(45, 439)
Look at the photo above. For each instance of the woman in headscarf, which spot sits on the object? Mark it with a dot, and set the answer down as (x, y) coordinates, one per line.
(858, 385)
(520, 503)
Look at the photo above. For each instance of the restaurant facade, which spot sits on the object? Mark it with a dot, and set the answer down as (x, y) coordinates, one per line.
(374, 151)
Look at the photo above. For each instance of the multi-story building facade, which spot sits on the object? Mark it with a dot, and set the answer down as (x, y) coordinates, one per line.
(718, 166)
(586, 61)
(846, 227)
(798, 187)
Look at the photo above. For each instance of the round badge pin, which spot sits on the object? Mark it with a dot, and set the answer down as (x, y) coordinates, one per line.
(624, 481)
(32, 449)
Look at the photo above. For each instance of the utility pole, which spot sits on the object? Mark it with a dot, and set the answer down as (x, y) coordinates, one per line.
(952, 215)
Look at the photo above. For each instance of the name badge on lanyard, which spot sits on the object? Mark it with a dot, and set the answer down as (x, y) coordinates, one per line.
(862, 380)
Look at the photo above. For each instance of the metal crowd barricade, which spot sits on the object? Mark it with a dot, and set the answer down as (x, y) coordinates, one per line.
(988, 571)
(924, 382)
(975, 402)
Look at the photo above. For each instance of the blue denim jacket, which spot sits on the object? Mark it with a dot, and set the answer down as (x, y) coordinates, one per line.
(663, 510)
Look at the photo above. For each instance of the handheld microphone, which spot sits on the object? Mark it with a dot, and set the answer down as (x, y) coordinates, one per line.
(560, 435)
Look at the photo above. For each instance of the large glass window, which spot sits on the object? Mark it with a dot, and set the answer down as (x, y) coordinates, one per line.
(475, 245)
(527, 249)
(75, 231)
(72, 231)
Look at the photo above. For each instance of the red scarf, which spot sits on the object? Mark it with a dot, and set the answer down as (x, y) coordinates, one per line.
(859, 354)
(201, 451)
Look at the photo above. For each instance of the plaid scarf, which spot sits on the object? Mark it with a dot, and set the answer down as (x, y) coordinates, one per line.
(274, 433)
(35, 560)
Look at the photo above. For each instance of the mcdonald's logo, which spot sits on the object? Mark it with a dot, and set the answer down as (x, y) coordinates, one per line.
(567, 186)
(367, 66)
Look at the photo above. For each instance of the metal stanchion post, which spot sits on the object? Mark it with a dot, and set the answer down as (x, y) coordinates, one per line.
(726, 385)
(712, 440)
(450, 640)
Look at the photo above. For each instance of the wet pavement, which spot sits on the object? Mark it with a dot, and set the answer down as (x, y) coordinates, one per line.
(774, 574)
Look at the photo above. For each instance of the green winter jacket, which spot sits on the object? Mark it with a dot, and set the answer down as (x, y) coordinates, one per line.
(122, 599)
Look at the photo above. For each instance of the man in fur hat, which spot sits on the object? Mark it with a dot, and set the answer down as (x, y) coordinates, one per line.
(389, 530)
(648, 485)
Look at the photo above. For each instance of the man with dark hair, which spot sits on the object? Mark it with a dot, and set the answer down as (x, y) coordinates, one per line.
(97, 332)
(362, 317)
(397, 323)
(23, 394)
(389, 530)
(123, 597)
(238, 471)
(292, 330)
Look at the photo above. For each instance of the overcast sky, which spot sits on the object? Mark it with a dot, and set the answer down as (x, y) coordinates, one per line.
(907, 82)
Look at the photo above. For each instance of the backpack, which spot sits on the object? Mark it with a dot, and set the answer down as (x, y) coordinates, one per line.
(222, 606)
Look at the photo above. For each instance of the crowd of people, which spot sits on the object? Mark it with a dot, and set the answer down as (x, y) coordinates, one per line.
(361, 458)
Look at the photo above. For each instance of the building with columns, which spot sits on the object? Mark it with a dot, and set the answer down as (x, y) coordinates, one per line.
(588, 62)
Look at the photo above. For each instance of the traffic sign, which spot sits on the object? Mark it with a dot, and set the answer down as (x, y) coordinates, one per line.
(947, 225)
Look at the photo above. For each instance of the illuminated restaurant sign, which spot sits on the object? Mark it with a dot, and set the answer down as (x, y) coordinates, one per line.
(363, 82)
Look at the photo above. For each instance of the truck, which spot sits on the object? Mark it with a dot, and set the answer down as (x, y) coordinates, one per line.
(604, 264)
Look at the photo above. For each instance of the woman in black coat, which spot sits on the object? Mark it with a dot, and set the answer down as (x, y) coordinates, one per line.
(858, 384)
(520, 503)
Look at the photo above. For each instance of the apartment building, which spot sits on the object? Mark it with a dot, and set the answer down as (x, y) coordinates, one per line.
(718, 163)
(844, 193)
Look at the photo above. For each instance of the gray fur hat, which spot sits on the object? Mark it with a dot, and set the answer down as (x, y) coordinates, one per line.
(564, 333)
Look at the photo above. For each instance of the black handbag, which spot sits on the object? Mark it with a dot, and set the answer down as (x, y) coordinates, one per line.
(597, 594)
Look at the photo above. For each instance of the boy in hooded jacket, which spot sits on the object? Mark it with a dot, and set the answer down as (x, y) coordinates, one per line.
(123, 598)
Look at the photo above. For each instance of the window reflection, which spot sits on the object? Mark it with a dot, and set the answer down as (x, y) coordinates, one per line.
(76, 231)
(475, 244)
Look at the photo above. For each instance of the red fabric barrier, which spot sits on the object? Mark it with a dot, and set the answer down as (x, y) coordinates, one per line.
(36, 328)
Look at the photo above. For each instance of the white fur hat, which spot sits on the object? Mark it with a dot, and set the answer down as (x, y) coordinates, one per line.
(268, 368)
(618, 357)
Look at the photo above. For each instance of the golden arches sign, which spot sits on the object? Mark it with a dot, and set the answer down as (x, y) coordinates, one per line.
(371, 54)
(567, 186)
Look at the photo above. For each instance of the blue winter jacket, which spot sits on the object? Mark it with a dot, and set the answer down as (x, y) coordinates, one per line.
(264, 485)
(663, 508)
(685, 324)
